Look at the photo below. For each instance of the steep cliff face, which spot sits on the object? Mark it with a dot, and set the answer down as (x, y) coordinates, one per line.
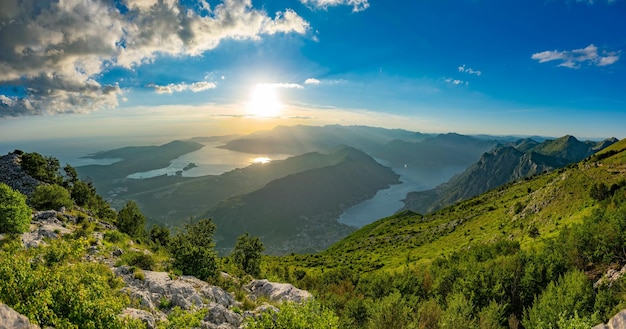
(522, 159)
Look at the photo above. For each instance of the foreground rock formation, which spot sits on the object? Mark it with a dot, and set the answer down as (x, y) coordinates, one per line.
(10, 319)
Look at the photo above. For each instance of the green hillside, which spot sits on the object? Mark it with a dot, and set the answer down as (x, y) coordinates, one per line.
(521, 159)
(299, 212)
(547, 202)
(524, 255)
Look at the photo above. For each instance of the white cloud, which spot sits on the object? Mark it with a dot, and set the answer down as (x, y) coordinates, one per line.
(357, 5)
(281, 85)
(201, 86)
(178, 87)
(56, 50)
(573, 59)
(311, 81)
(456, 82)
(469, 70)
(591, 2)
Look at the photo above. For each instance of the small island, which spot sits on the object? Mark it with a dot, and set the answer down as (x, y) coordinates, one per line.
(190, 165)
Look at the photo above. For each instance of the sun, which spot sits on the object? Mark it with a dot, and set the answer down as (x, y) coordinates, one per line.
(264, 102)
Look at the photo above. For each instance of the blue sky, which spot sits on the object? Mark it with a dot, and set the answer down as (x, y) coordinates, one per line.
(187, 68)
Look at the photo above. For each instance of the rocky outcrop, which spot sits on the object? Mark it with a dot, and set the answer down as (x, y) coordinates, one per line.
(11, 173)
(157, 292)
(44, 225)
(610, 277)
(616, 322)
(10, 319)
(276, 292)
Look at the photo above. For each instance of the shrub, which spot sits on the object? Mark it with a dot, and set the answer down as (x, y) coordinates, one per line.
(130, 220)
(141, 260)
(114, 236)
(572, 296)
(50, 197)
(14, 212)
(79, 295)
(45, 169)
(193, 250)
(247, 254)
(295, 316)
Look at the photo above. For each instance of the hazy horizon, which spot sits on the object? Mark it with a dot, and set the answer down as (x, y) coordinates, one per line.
(105, 69)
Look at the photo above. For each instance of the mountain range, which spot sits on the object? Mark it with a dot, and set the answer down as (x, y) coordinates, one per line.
(513, 161)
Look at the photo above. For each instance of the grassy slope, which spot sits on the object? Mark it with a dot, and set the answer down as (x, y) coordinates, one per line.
(547, 202)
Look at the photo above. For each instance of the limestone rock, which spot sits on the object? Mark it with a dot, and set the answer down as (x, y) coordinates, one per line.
(219, 316)
(610, 277)
(146, 317)
(282, 292)
(45, 224)
(616, 322)
(186, 292)
(10, 319)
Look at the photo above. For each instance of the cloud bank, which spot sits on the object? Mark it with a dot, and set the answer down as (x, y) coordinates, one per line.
(52, 53)
(573, 59)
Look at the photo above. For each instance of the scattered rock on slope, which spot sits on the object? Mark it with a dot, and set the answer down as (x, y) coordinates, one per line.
(277, 292)
(10, 319)
(186, 292)
(616, 322)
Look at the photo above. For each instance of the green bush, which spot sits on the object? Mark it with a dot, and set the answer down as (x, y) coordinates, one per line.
(45, 169)
(51, 197)
(310, 315)
(568, 298)
(67, 295)
(130, 220)
(193, 250)
(14, 212)
(141, 260)
(247, 254)
(114, 236)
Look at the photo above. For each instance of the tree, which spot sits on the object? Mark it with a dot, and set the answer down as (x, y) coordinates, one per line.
(160, 235)
(193, 250)
(599, 191)
(14, 212)
(50, 197)
(247, 254)
(45, 169)
(130, 220)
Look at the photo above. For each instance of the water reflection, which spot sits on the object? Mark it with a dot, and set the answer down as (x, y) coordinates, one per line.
(209, 160)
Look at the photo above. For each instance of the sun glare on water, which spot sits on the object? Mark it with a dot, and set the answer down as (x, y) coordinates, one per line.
(261, 160)
(264, 102)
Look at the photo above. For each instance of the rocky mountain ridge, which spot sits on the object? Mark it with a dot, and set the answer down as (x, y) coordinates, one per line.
(518, 160)
(12, 174)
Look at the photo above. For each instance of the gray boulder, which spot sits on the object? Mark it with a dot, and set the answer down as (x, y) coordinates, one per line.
(616, 322)
(146, 317)
(186, 292)
(219, 316)
(10, 319)
(277, 292)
